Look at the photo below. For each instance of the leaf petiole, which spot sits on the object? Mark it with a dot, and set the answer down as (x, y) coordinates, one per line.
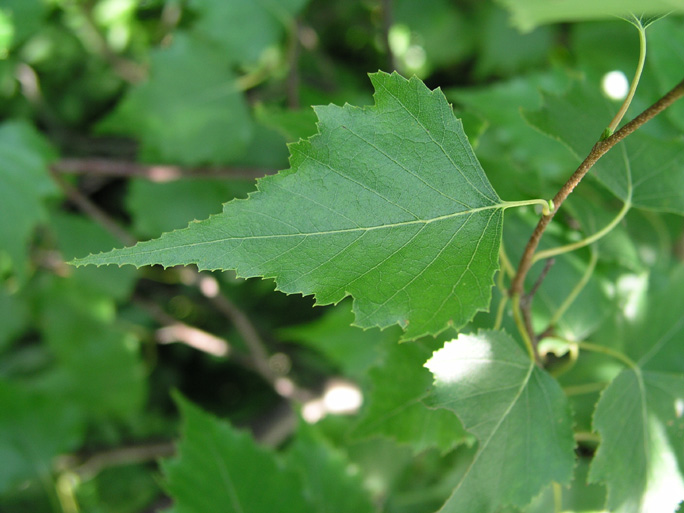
(635, 81)
(546, 205)
(547, 253)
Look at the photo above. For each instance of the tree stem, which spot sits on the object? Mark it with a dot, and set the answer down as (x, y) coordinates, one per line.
(599, 149)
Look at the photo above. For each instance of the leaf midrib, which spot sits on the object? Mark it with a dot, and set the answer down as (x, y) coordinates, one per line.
(485, 443)
(322, 233)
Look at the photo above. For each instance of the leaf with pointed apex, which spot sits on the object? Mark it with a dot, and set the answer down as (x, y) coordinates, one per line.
(639, 416)
(387, 204)
(633, 170)
(219, 468)
(518, 414)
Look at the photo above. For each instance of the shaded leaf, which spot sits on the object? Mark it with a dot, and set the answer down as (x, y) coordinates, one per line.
(34, 428)
(515, 410)
(261, 24)
(528, 14)
(24, 185)
(397, 410)
(639, 416)
(643, 169)
(189, 111)
(353, 350)
(221, 469)
(330, 482)
(387, 204)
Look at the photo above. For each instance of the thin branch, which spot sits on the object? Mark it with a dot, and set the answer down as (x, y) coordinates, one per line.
(95, 463)
(152, 172)
(260, 358)
(599, 149)
(92, 210)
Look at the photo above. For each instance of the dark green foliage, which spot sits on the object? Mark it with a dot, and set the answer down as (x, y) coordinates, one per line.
(126, 120)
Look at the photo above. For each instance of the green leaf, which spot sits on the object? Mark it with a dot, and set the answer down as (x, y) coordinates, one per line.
(528, 14)
(518, 414)
(398, 412)
(34, 428)
(353, 350)
(24, 185)
(221, 469)
(245, 28)
(639, 416)
(189, 111)
(642, 169)
(98, 365)
(147, 202)
(330, 481)
(666, 60)
(387, 204)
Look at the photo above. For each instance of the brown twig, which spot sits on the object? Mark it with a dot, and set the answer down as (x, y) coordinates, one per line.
(599, 149)
(92, 210)
(153, 172)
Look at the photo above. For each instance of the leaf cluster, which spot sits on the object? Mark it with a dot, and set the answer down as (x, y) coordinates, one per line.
(555, 385)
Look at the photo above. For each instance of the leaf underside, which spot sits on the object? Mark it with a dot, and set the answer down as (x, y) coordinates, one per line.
(387, 204)
(516, 411)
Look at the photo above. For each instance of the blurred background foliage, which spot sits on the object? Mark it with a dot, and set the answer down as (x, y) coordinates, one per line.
(122, 119)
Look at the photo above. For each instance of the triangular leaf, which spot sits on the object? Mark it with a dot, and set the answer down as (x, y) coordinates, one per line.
(387, 204)
(518, 414)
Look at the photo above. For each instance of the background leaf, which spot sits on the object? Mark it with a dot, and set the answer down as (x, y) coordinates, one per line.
(189, 111)
(220, 468)
(639, 416)
(528, 14)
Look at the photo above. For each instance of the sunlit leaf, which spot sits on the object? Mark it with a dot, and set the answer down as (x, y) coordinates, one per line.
(516, 411)
(387, 204)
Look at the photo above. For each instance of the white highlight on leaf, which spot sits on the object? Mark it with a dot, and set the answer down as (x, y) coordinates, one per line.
(615, 85)
(631, 289)
(679, 408)
(447, 366)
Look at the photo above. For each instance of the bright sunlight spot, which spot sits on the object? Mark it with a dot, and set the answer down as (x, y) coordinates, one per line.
(631, 288)
(615, 85)
(340, 397)
(679, 408)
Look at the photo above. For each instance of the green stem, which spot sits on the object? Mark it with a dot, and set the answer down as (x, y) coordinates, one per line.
(547, 253)
(500, 311)
(587, 388)
(587, 346)
(576, 290)
(635, 82)
(520, 323)
(546, 205)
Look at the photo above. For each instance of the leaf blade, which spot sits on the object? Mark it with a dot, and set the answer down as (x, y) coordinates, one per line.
(496, 391)
(387, 204)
